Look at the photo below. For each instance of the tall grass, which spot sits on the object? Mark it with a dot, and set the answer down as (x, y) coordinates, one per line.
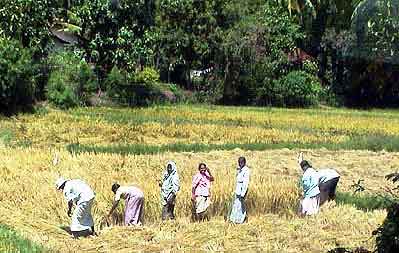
(31, 204)
(372, 143)
(217, 127)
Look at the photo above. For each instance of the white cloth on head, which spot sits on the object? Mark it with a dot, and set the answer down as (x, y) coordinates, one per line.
(78, 191)
(60, 181)
(242, 181)
(81, 217)
(327, 174)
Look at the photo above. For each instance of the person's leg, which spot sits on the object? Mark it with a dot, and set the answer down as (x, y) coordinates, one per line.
(141, 219)
(333, 188)
(165, 212)
(324, 192)
(172, 211)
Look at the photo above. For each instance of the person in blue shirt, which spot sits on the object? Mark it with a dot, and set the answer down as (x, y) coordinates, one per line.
(310, 203)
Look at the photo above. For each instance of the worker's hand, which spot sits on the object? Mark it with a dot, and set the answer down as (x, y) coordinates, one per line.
(69, 213)
(241, 198)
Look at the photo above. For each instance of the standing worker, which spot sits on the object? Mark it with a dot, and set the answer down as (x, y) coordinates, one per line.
(170, 185)
(134, 203)
(201, 191)
(79, 193)
(239, 211)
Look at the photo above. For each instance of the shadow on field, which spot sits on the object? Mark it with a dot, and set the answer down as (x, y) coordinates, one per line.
(364, 201)
(345, 250)
(66, 229)
(84, 233)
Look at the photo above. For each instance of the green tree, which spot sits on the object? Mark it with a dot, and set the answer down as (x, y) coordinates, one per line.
(315, 16)
(28, 21)
(187, 29)
(16, 76)
(372, 56)
(114, 32)
(255, 53)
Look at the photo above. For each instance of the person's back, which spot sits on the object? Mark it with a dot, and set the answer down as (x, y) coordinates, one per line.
(310, 183)
(328, 180)
(78, 191)
(327, 174)
(124, 191)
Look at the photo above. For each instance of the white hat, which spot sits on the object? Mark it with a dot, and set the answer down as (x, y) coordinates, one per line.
(60, 181)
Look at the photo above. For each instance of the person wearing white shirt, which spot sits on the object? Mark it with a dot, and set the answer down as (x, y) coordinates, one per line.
(238, 213)
(328, 180)
(79, 193)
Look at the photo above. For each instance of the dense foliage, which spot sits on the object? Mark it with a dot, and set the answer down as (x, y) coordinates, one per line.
(387, 234)
(28, 21)
(17, 76)
(142, 88)
(229, 52)
(255, 54)
(71, 81)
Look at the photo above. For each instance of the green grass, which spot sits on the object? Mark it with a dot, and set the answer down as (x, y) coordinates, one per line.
(158, 114)
(11, 242)
(6, 136)
(365, 201)
(373, 143)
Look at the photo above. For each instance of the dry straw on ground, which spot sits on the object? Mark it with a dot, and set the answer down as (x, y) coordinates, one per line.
(30, 204)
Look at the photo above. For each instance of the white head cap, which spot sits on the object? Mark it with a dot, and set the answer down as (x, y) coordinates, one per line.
(60, 181)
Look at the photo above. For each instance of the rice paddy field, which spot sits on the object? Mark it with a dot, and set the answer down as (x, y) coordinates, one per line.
(104, 145)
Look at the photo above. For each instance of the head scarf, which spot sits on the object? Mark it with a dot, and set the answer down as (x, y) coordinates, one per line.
(60, 181)
(170, 182)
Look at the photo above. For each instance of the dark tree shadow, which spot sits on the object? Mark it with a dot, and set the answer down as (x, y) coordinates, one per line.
(387, 235)
(346, 250)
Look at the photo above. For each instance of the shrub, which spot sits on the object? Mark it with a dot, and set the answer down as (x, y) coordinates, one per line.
(71, 81)
(310, 67)
(147, 76)
(16, 76)
(140, 89)
(297, 89)
(117, 85)
(387, 239)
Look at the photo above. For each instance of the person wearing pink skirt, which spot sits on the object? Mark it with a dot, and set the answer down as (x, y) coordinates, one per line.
(134, 203)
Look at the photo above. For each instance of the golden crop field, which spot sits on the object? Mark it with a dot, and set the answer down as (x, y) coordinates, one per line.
(31, 205)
